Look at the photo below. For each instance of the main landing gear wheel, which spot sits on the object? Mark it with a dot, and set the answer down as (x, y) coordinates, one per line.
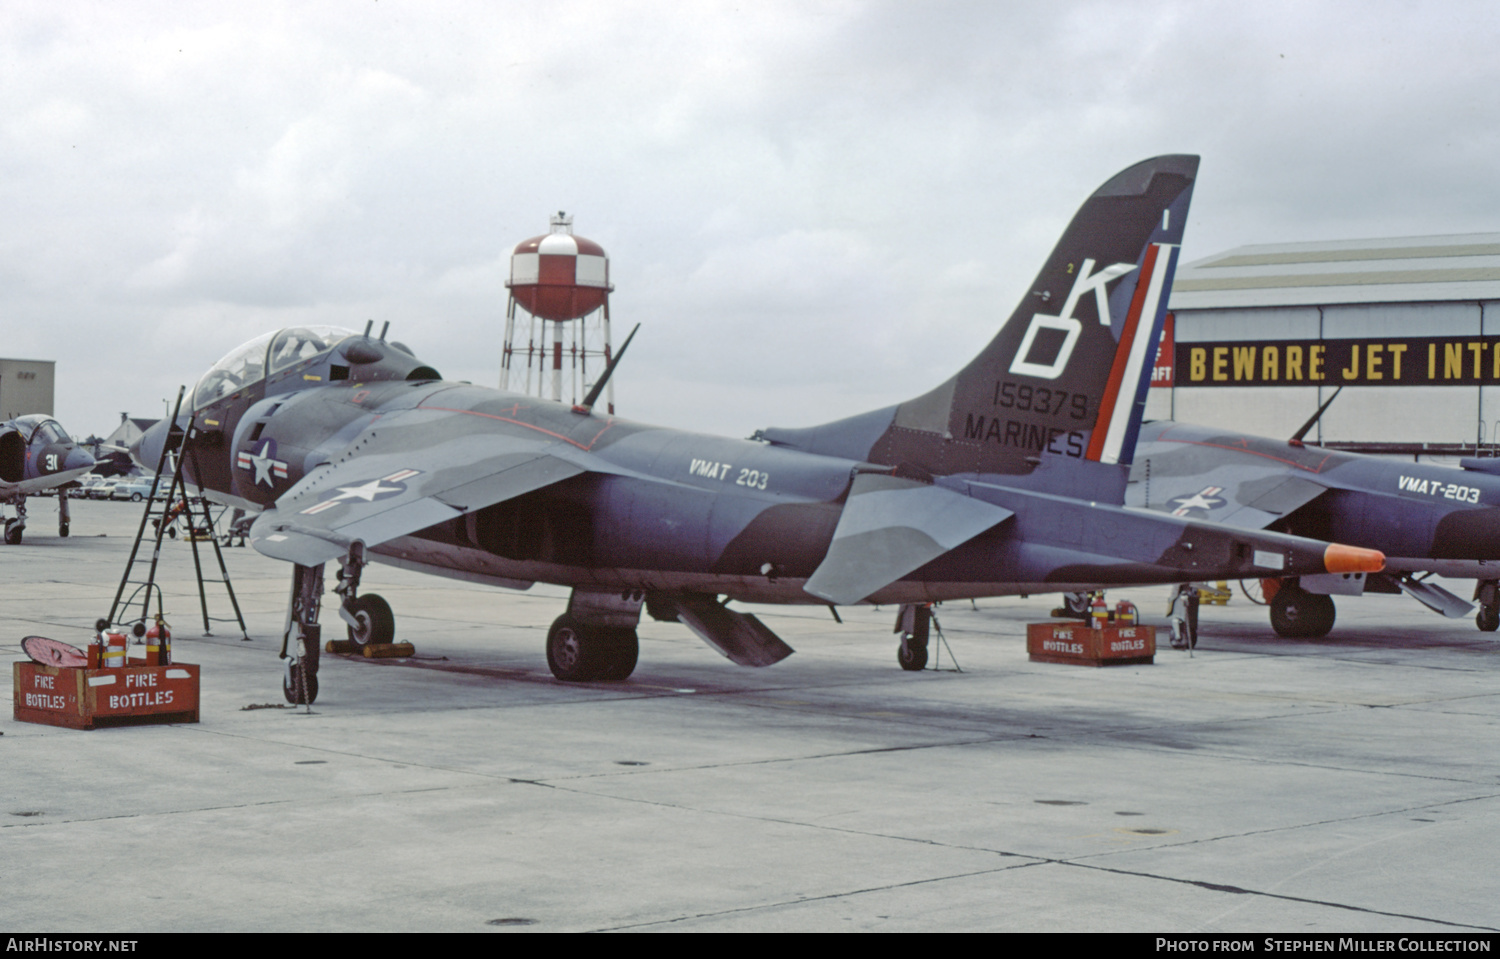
(377, 624)
(578, 654)
(13, 530)
(1298, 614)
(1487, 619)
(62, 529)
(621, 650)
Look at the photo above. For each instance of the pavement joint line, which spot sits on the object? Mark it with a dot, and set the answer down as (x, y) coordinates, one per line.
(848, 893)
(1045, 861)
(258, 804)
(1240, 891)
(1293, 827)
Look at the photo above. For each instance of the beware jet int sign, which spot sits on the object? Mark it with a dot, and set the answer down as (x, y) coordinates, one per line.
(1387, 361)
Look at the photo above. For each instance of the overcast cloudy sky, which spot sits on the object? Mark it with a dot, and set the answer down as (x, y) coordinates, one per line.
(812, 208)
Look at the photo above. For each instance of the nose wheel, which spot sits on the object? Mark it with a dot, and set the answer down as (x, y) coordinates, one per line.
(300, 642)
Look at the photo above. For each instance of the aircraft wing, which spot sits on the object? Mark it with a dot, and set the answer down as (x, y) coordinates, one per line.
(386, 493)
(9, 492)
(1258, 505)
(1220, 485)
(891, 526)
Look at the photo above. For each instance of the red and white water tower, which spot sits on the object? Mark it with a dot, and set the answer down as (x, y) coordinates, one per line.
(561, 282)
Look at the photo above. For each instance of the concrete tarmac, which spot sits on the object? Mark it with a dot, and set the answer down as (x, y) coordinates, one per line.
(1343, 785)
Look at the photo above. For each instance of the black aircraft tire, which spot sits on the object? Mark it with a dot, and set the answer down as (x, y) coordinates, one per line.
(622, 649)
(300, 675)
(1487, 619)
(912, 657)
(573, 651)
(1298, 614)
(13, 535)
(62, 529)
(377, 624)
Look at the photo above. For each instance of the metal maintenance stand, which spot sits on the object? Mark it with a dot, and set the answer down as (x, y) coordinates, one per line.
(165, 508)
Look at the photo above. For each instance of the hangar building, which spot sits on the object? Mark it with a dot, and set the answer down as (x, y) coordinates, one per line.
(1258, 336)
(26, 387)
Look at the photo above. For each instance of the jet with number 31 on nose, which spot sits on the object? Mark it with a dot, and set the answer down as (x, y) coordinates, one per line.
(37, 454)
(1008, 478)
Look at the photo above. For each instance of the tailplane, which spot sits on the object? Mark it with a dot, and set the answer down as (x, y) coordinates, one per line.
(1062, 387)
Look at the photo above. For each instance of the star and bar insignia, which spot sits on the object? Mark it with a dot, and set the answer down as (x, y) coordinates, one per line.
(1205, 499)
(375, 489)
(263, 463)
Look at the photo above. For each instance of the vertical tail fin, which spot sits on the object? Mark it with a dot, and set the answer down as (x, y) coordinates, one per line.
(1063, 383)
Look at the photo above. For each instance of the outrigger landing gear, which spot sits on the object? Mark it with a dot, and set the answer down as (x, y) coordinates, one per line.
(595, 640)
(914, 624)
(14, 526)
(369, 617)
(1487, 593)
(300, 640)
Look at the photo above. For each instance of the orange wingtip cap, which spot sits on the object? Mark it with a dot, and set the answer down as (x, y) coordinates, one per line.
(1338, 558)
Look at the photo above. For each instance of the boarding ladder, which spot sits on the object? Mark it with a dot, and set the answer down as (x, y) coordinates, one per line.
(165, 508)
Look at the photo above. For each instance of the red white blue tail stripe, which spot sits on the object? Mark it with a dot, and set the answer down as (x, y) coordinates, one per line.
(1114, 435)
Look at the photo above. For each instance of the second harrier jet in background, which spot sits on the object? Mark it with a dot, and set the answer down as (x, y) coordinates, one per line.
(1425, 518)
(37, 454)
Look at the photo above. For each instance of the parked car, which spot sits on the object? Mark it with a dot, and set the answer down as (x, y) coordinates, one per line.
(92, 486)
(135, 488)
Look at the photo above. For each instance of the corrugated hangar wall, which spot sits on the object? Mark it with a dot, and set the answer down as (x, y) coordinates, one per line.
(1260, 336)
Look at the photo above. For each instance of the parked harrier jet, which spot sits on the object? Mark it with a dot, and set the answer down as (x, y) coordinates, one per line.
(1008, 478)
(1425, 518)
(37, 454)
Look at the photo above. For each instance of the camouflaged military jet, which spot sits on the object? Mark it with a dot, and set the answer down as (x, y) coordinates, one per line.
(37, 454)
(1008, 478)
(1426, 518)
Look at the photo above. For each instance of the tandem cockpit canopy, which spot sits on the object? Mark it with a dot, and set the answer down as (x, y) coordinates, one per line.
(324, 353)
(266, 354)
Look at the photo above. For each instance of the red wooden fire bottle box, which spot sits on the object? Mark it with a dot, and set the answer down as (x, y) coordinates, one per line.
(1081, 644)
(83, 698)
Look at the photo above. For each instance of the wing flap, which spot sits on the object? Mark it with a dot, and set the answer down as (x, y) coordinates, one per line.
(891, 526)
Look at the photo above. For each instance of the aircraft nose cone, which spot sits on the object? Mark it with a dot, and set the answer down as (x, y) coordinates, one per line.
(78, 459)
(146, 450)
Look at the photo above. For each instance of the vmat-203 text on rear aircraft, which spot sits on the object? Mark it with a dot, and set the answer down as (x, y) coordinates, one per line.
(1008, 478)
